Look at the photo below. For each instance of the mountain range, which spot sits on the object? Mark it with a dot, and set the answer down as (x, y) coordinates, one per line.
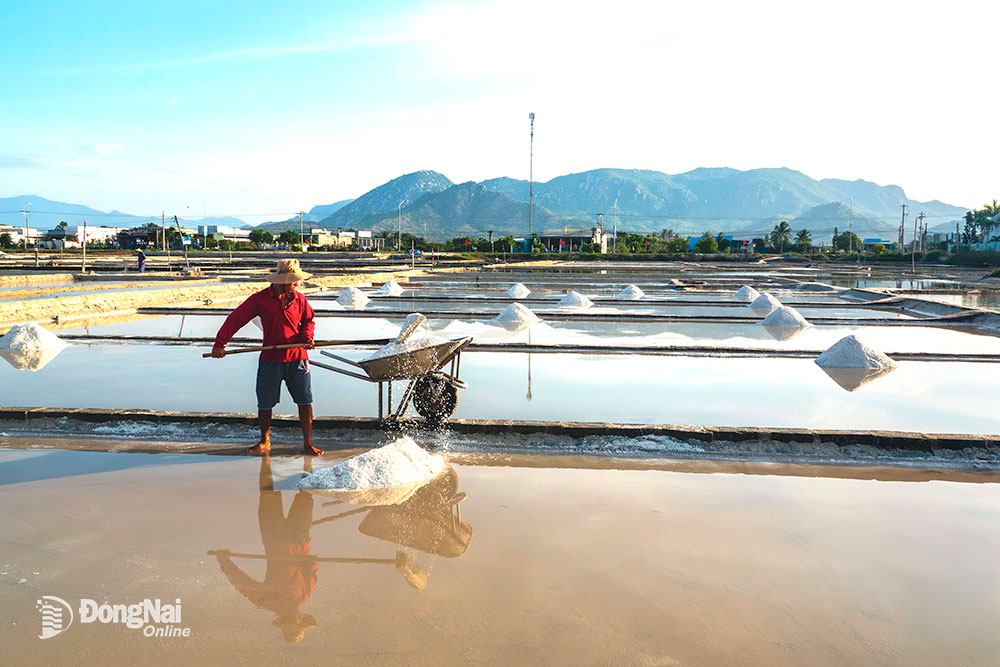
(46, 214)
(743, 203)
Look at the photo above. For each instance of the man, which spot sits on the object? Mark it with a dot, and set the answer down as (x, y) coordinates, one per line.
(286, 318)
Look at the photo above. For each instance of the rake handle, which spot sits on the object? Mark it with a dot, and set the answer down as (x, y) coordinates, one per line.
(318, 343)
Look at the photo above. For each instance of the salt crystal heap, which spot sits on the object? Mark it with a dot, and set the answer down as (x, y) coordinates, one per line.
(852, 363)
(516, 317)
(575, 300)
(390, 288)
(764, 304)
(785, 323)
(352, 297)
(518, 291)
(412, 336)
(631, 293)
(28, 347)
(386, 475)
(747, 294)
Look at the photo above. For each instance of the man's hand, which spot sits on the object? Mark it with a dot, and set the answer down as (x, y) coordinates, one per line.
(310, 345)
(218, 351)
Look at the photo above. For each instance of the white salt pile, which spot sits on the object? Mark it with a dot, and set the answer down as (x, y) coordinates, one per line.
(401, 465)
(516, 317)
(390, 288)
(29, 347)
(747, 293)
(352, 297)
(631, 293)
(575, 299)
(785, 316)
(852, 352)
(518, 291)
(412, 336)
(764, 304)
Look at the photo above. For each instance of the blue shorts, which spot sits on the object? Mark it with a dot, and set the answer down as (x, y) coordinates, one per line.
(296, 376)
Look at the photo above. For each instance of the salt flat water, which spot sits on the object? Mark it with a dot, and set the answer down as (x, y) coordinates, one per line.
(919, 396)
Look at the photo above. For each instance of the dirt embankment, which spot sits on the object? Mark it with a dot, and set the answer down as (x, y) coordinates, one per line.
(121, 303)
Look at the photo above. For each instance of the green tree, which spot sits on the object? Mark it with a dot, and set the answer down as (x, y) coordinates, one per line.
(781, 235)
(63, 225)
(676, 244)
(260, 237)
(706, 245)
(6, 240)
(289, 238)
(847, 241)
(758, 245)
(878, 249)
(803, 238)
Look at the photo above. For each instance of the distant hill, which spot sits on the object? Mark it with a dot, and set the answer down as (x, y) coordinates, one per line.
(723, 199)
(46, 214)
(317, 213)
(407, 188)
(824, 219)
(466, 209)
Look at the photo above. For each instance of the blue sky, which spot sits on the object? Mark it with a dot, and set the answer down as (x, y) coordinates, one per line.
(259, 109)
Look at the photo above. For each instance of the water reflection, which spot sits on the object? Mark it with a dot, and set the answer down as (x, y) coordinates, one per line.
(853, 379)
(30, 359)
(426, 518)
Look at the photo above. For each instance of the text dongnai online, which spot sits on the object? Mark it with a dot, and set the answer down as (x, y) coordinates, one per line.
(145, 615)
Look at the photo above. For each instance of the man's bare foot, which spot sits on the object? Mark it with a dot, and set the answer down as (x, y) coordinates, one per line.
(309, 450)
(263, 447)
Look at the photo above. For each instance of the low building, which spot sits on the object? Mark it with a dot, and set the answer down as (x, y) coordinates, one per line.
(73, 236)
(220, 232)
(868, 244)
(573, 240)
(17, 234)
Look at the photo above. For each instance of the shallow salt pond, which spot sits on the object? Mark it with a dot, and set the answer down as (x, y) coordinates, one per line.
(911, 338)
(919, 396)
(521, 563)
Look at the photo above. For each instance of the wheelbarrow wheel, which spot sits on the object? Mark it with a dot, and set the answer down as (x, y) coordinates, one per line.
(435, 398)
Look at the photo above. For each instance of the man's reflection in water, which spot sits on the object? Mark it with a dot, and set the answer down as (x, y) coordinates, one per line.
(290, 576)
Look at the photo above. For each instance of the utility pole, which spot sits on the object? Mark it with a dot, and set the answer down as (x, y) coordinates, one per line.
(850, 226)
(184, 247)
(531, 183)
(399, 227)
(913, 247)
(902, 222)
(615, 249)
(83, 267)
(25, 211)
(301, 238)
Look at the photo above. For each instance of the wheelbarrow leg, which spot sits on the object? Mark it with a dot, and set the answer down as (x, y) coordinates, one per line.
(380, 401)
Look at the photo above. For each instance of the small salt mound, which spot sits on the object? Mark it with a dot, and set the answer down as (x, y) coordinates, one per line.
(785, 317)
(518, 291)
(417, 338)
(764, 303)
(631, 293)
(747, 293)
(29, 347)
(400, 464)
(257, 323)
(516, 317)
(390, 288)
(352, 297)
(852, 352)
(576, 299)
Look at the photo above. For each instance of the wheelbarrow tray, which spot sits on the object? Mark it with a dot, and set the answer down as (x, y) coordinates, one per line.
(413, 363)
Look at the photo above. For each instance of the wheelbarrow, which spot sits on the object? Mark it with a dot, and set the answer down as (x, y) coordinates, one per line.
(432, 390)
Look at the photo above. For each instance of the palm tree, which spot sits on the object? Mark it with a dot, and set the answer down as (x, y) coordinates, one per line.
(781, 234)
(804, 238)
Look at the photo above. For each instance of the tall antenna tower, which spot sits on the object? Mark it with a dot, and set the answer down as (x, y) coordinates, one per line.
(531, 182)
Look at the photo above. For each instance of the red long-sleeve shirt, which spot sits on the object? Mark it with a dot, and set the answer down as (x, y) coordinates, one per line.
(283, 324)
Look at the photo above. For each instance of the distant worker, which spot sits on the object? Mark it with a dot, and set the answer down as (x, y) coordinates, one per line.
(287, 318)
(140, 260)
